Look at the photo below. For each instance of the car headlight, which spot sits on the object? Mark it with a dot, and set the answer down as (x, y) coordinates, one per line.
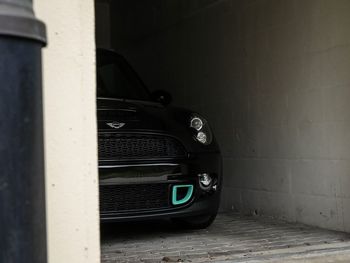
(203, 133)
(196, 123)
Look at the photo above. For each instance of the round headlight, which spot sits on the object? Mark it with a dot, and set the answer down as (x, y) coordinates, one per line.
(196, 123)
(201, 130)
(202, 137)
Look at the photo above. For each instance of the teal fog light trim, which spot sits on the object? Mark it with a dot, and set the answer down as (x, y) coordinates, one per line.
(188, 196)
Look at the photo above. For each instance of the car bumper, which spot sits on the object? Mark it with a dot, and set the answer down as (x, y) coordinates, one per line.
(170, 172)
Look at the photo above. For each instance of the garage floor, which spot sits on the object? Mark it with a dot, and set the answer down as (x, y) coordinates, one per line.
(232, 238)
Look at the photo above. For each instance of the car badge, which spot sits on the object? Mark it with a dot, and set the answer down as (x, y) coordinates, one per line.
(115, 124)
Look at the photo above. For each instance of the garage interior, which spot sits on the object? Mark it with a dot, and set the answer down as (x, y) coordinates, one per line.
(272, 78)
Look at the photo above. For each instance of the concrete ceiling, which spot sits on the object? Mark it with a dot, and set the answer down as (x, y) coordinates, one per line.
(137, 19)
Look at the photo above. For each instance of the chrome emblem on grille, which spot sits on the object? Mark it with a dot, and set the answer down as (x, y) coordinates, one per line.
(115, 124)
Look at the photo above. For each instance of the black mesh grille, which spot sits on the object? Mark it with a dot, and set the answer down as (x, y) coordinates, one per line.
(118, 198)
(125, 147)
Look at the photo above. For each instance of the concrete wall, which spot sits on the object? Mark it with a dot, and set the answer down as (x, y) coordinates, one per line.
(273, 79)
(70, 131)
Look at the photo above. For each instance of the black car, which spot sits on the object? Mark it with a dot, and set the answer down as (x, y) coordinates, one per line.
(155, 161)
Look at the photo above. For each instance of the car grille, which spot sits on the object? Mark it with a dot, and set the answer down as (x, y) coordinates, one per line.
(119, 198)
(114, 146)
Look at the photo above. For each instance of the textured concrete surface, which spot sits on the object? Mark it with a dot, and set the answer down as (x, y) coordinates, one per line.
(272, 77)
(232, 238)
(70, 131)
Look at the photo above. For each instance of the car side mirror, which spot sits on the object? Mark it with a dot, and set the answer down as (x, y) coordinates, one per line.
(162, 97)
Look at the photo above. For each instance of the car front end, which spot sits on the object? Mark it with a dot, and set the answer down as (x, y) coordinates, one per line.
(153, 164)
(155, 160)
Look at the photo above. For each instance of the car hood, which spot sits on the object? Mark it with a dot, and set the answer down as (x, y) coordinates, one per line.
(127, 115)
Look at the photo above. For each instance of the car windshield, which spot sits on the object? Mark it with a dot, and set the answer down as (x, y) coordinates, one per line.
(116, 79)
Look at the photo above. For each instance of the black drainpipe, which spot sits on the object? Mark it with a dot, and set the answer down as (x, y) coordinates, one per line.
(22, 188)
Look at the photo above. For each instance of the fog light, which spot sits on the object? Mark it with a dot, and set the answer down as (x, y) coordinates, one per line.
(205, 180)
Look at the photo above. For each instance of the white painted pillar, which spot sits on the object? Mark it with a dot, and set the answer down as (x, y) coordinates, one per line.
(70, 130)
